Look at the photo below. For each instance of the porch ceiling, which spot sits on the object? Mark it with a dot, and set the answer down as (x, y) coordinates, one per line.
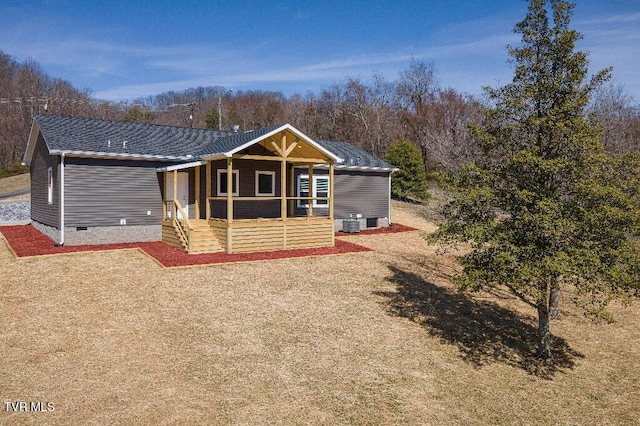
(295, 147)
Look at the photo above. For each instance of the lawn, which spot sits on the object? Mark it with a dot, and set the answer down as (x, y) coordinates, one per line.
(379, 337)
(14, 183)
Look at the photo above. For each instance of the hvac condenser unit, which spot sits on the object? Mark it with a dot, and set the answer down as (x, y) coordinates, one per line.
(351, 226)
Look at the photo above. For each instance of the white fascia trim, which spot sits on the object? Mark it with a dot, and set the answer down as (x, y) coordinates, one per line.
(212, 157)
(31, 143)
(117, 155)
(181, 166)
(293, 130)
(359, 168)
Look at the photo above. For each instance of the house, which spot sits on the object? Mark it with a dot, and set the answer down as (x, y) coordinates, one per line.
(97, 181)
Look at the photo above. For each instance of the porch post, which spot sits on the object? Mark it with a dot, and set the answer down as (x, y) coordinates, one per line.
(197, 190)
(283, 179)
(292, 189)
(175, 193)
(310, 202)
(208, 190)
(283, 189)
(164, 197)
(229, 203)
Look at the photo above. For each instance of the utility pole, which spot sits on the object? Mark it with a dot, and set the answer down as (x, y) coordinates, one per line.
(220, 108)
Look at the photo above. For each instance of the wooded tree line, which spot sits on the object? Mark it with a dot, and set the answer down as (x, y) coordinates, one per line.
(370, 114)
(25, 89)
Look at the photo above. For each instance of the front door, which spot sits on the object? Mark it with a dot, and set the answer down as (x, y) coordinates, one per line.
(183, 192)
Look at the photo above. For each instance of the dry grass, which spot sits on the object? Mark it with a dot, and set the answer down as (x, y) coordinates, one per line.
(14, 183)
(371, 338)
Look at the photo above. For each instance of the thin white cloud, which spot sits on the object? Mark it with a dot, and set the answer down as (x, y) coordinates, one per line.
(614, 19)
(468, 55)
(225, 71)
(614, 41)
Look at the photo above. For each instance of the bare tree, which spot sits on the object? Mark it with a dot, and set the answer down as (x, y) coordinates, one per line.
(370, 114)
(619, 115)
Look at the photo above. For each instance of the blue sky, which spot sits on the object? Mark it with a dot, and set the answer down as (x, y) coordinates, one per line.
(124, 50)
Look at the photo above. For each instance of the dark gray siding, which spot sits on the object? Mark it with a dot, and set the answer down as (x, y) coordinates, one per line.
(203, 191)
(361, 192)
(101, 192)
(41, 210)
(247, 180)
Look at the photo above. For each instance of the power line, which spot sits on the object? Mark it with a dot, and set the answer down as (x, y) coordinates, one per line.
(46, 102)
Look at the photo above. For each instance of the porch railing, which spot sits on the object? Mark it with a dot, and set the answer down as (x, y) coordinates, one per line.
(297, 206)
(179, 216)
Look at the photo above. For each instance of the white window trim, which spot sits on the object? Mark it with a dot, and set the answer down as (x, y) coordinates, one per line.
(304, 203)
(273, 183)
(50, 185)
(218, 181)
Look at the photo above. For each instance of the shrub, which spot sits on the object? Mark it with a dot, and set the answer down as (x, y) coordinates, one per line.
(13, 169)
(410, 182)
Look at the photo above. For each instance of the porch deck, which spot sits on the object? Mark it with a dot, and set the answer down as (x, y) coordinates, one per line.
(251, 235)
(249, 174)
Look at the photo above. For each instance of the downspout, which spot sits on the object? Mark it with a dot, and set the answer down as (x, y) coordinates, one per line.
(390, 197)
(61, 243)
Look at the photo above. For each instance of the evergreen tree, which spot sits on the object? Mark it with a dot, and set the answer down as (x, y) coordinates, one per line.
(410, 181)
(545, 207)
(138, 115)
(211, 118)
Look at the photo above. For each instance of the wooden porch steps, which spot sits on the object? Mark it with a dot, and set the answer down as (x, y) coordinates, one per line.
(203, 239)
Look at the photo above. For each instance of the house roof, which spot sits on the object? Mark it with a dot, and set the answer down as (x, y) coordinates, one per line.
(233, 141)
(354, 157)
(91, 137)
(94, 138)
(236, 142)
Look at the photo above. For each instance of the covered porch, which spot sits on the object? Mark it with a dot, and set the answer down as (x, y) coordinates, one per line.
(260, 194)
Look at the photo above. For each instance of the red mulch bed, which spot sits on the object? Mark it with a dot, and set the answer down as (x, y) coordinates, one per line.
(171, 256)
(26, 241)
(395, 227)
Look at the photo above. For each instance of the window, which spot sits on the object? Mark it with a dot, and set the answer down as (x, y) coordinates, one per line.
(320, 189)
(222, 182)
(50, 185)
(265, 184)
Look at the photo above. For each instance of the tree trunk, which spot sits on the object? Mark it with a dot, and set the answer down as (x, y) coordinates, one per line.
(554, 301)
(544, 336)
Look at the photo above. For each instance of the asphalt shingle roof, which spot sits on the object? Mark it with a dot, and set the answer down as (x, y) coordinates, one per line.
(91, 135)
(234, 140)
(104, 136)
(354, 156)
